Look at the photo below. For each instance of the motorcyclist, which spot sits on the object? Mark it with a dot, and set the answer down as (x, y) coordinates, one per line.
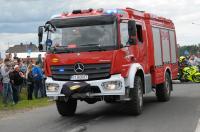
(183, 62)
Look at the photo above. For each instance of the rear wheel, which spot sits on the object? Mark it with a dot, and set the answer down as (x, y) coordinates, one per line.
(136, 95)
(163, 91)
(66, 108)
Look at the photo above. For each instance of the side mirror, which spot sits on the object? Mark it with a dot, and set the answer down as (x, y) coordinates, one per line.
(132, 32)
(40, 33)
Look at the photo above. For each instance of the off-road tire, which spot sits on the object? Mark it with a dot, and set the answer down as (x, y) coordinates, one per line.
(66, 108)
(136, 95)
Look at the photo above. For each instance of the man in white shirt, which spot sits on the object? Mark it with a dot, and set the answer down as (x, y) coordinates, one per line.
(7, 89)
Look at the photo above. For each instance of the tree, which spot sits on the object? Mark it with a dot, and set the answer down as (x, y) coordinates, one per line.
(192, 49)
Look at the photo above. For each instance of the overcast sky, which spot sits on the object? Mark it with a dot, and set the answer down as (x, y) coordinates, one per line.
(19, 19)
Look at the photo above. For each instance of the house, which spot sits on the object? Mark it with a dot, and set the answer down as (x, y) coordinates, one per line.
(24, 50)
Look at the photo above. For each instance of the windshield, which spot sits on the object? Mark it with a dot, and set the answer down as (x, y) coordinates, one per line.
(77, 37)
(84, 34)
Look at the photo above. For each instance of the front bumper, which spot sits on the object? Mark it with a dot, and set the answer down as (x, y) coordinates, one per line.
(97, 83)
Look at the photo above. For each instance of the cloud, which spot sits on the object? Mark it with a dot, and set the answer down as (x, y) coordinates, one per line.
(17, 11)
(24, 16)
(16, 38)
(24, 27)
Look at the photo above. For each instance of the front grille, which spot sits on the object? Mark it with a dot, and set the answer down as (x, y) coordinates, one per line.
(94, 71)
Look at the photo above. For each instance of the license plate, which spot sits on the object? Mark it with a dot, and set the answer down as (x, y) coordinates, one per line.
(79, 77)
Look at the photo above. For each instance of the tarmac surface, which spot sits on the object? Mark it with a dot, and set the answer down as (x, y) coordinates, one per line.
(180, 114)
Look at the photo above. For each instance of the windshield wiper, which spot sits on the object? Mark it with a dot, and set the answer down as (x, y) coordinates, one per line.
(96, 45)
(61, 49)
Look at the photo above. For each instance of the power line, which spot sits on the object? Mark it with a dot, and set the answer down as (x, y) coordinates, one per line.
(195, 23)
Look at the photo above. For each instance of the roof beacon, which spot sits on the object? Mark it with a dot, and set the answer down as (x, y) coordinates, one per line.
(114, 11)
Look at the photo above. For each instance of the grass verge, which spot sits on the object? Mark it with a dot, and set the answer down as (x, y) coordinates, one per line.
(24, 104)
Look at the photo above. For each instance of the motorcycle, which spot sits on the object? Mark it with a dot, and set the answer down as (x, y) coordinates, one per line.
(191, 73)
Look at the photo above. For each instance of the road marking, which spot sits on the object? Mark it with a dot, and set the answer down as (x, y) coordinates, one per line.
(198, 126)
(98, 118)
(79, 129)
(84, 128)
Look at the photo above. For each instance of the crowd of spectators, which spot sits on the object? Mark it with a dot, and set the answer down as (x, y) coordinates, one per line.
(16, 73)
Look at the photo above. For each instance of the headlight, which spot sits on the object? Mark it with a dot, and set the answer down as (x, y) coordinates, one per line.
(52, 87)
(112, 85)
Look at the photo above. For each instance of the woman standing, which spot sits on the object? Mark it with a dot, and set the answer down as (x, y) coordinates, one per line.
(30, 82)
(1, 79)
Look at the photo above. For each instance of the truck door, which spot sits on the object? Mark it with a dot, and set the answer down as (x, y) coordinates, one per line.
(141, 46)
(137, 51)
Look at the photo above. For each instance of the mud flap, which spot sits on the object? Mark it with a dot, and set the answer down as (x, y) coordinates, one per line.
(71, 88)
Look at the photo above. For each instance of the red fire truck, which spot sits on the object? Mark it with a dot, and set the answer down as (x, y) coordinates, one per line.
(116, 55)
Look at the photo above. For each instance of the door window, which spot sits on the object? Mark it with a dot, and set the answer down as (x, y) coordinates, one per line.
(139, 33)
(124, 33)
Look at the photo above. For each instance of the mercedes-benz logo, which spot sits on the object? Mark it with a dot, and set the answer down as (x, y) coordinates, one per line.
(78, 67)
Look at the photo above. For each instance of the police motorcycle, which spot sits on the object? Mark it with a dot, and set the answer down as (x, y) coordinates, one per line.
(187, 72)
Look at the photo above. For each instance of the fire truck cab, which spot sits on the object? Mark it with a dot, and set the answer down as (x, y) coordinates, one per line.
(112, 55)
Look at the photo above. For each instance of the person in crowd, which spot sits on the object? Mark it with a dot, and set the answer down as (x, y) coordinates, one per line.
(30, 82)
(44, 82)
(197, 60)
(1, 78)
(15, 62)
(19, 61)
(15, 56)
(28, 61)
(38, 78)
(7, 56)
(22, 68)
(39, 60)
(193, 60)
(10, 57)
(7, 89)
(16, 78)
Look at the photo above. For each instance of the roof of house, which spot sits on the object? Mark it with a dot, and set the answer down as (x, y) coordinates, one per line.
(23, 48)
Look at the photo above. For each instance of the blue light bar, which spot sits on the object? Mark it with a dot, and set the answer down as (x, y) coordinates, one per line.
(61, 70)
(113, 11)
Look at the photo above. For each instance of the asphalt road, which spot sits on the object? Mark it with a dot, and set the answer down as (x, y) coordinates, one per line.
(180, 114)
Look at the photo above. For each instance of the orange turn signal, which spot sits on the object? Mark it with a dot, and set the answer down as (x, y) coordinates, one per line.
(55, 60)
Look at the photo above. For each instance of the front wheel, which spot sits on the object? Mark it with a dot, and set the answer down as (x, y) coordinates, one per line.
(196, 78)
(66, 108)
(163, 91)
(136, 95)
